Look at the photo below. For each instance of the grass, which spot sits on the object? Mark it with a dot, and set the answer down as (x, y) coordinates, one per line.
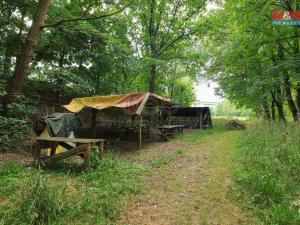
(196, 137)
(267, 179)
(180, 151)
(269, 171)
(162, 161)
(37, 202)
(31, 196)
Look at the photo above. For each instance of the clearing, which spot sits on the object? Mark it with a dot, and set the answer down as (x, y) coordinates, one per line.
(190, 182)
(186, 181)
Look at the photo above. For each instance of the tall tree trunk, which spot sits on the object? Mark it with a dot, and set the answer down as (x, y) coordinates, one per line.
(287, 86)
(266, 111)
(172, 90)
(16, 82)
(273, 110)
(297, 70)
(288, 93)
(279, 105)
(298, 97)
(6, 64)
(152, 78)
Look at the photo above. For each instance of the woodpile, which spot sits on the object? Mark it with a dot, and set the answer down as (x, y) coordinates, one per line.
(235, 125)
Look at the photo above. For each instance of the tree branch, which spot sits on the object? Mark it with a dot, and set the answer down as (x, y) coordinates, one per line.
(88, 18)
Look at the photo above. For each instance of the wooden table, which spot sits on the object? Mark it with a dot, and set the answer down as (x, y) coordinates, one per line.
(52, 142)
(167, 130)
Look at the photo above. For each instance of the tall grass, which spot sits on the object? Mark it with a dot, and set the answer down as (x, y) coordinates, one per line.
(38, 202)
(31, 196)
(105, 187)
(270, 171)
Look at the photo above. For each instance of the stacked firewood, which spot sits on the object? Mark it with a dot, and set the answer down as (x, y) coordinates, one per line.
(235, 125)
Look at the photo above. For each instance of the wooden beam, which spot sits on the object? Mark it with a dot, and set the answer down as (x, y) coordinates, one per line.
(63, 155)
(46, 140)
(142, 105)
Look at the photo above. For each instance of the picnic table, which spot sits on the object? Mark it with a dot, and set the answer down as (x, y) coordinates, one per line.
(167, 130)
(84, 147)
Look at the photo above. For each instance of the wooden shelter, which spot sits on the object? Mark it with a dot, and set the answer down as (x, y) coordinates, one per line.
(190, 117)
(104, 110)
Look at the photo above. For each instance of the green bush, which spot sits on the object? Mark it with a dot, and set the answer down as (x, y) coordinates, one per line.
(270, 169)
(14, 126)
(12, 133)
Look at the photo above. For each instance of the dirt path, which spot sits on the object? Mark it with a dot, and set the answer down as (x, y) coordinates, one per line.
(189, 183)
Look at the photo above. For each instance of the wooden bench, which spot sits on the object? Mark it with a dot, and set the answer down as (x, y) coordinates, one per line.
(167, 130)
(52, 142)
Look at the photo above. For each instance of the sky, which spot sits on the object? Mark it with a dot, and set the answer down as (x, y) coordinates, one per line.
(205, 92)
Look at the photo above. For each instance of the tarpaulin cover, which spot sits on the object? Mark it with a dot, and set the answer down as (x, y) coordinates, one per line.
(128, 102)
(62, 124)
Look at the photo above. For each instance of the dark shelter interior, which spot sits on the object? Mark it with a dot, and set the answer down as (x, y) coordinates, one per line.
(190, 117)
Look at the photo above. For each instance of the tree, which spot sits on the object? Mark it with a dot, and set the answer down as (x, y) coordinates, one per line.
(253, 61)
(15, 84)
(159, 27)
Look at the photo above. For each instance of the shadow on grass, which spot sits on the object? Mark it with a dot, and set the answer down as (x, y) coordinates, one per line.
(65, 168)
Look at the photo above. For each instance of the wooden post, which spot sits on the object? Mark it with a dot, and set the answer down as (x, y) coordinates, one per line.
(201, 117)
(37, 153)
(87, 157)
(53, 151)
(169, 115)
(102, 149)
(140, 132)
(94, 123)
(53, 148)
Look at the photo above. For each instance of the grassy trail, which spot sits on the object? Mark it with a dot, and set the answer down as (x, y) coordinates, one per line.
(189, 183)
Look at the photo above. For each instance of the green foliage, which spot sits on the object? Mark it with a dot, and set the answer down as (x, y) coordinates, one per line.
(253, 61)
(269, 171)
(14, 127)
(12, 133)
(184, 93)
(227, 109)
(110, 55)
